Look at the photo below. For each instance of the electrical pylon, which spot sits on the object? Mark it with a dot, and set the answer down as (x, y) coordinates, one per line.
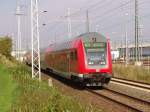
(36, 71)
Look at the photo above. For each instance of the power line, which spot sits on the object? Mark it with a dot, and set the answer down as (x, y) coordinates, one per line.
(104, 28)
(118, 24)
(106, 13)
(113, 9)
(83, 9)
(89, 8)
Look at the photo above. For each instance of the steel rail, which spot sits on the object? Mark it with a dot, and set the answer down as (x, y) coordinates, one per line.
(131, 97)
(118, 102)
(131, 83)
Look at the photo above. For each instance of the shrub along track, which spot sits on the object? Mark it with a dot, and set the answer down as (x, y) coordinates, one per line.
(104, 99)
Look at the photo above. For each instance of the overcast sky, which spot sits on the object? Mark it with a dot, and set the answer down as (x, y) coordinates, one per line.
(109, 17)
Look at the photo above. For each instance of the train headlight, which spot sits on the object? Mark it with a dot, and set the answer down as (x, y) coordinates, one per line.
(102, 63)
(90, 62)
(80, 75)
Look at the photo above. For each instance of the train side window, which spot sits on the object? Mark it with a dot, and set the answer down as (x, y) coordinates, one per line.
(75, 55)
(71, 55)
(53, 55)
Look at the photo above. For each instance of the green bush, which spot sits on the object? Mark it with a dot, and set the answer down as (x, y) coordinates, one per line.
(6, 46)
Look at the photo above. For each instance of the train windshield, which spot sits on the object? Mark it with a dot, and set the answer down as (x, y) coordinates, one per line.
(96, 56)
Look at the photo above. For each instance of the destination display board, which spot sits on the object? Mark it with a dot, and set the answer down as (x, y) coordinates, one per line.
(96, 44)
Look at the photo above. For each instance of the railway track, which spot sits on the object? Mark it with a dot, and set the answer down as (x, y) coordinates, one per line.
(132, 83)
(130, 102)
(127, 101)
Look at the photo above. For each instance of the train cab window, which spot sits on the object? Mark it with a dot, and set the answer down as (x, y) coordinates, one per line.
(96, 56)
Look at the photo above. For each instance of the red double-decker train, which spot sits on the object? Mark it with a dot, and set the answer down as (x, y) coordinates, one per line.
(85, 59)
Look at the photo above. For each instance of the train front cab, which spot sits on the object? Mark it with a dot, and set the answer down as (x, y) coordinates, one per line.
(95, 66)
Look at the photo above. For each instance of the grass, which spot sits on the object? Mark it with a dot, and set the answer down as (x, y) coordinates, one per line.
(7, 87)
(20, 93)
(131, 72)
(39, 97)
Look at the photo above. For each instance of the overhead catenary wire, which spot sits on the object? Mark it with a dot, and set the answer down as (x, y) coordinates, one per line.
(83, 9)
(111, 12)
(92, 6)
(99, 18)
(89, 8)
(118, 24)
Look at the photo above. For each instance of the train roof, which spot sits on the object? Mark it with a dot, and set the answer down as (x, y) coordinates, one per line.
(89, 36)
(73, 43)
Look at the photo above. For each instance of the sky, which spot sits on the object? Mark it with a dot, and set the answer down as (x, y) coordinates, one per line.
(111, 18)
(7, 17)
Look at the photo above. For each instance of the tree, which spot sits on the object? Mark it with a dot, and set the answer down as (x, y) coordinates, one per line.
(6, 46)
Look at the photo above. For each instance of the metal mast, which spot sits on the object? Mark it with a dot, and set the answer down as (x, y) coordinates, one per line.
(36, 71)
(69, 24)
(136, 32)
(18, 14)
(126, 39)
(87, 21)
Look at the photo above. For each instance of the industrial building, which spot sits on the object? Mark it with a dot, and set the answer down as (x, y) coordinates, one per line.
(121, 52)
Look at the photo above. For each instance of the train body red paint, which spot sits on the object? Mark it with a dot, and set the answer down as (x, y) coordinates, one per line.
(85, 59)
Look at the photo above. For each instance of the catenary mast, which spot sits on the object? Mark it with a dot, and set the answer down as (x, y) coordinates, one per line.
(36, 71)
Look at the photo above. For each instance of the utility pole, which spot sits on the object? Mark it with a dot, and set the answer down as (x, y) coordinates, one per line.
(69, 24)
(36, 71)
(136, 32)
(126, 39)
(87, 21)
(126, 45)
(18, 46)
(141, 42)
